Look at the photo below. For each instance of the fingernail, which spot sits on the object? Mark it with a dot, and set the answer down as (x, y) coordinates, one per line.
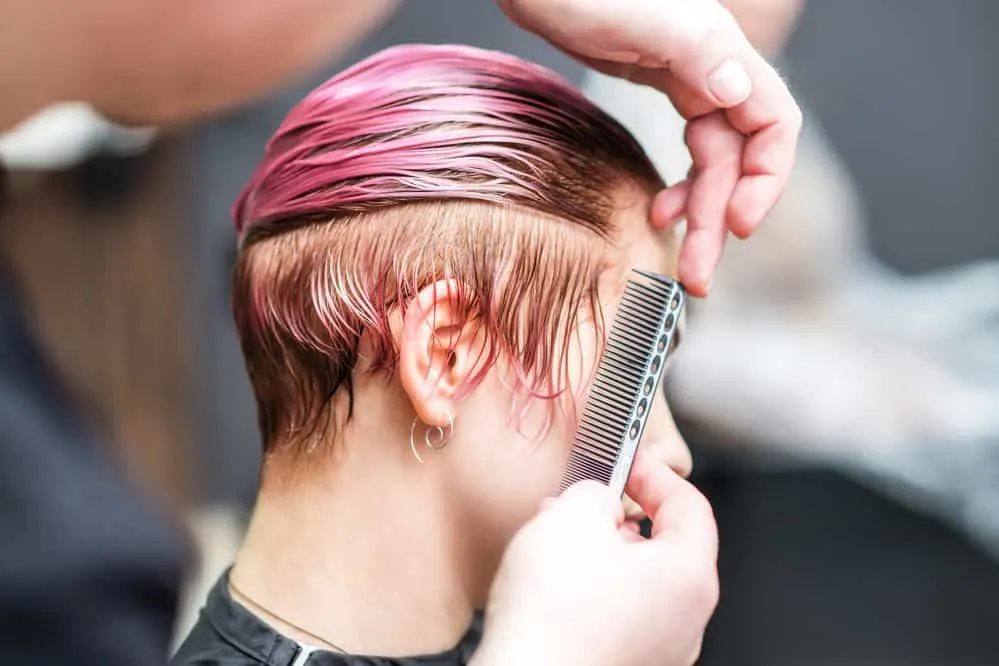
(730, 83)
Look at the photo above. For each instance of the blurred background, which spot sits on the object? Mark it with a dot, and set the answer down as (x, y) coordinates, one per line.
(840, 389)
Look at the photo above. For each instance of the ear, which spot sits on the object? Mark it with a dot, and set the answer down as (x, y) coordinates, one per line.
(438, 349)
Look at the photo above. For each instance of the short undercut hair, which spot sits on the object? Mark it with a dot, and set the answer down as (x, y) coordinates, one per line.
(418, 164)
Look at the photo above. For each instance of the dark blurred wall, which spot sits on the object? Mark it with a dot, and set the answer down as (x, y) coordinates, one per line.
(908, 91)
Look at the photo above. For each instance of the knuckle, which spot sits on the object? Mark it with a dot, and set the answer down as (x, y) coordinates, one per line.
(700, 504)
(701, 596)
(713, 136)
(695, 652)
(700, 586)
(709, 593)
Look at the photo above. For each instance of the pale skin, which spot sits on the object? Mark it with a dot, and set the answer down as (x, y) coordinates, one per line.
(435, 531)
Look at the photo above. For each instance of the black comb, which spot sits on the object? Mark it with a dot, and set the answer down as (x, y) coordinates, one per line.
(644, 333)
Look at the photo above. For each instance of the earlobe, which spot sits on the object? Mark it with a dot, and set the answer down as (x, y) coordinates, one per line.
(435, 344)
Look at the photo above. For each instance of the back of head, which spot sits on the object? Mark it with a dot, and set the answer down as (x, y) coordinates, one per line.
(420, 164)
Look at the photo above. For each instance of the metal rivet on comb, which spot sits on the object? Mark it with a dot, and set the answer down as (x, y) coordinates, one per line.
(661, 347)
(654, 366)
(642, 406)
(648, 386)
(635, 427)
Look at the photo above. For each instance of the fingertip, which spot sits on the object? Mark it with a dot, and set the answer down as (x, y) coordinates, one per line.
(650, 462)
(676, 508)
(753, 199)
(650, 482)
(693, 283)
(699, 255)
(741, 226)
(668, 206)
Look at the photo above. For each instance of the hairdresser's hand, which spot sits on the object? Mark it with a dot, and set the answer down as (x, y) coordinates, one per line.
(575, 587)
(743, 122)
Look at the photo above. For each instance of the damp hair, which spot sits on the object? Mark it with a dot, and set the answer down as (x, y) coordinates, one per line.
(418, 164)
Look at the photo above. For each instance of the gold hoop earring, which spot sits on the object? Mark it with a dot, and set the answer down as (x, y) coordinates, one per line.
(438, 441)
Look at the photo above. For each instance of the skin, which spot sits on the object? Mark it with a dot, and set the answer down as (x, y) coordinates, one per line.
(453, 515)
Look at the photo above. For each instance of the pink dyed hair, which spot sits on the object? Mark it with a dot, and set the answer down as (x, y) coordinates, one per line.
(418, 163)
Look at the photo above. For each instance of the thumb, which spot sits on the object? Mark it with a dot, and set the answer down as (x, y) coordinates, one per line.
(588, 501)
(681, 516)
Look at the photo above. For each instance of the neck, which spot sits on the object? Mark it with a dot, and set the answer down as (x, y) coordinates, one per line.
(363, 553)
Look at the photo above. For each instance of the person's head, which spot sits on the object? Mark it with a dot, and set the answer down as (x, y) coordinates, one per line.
(434, 246)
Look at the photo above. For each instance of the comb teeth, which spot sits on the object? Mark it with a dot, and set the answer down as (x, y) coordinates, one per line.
(628, 375)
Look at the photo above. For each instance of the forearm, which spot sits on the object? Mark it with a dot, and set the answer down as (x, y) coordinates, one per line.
(163, 61)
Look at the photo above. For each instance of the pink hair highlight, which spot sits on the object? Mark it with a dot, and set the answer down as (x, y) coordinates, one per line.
(423, 122)
(419, 164)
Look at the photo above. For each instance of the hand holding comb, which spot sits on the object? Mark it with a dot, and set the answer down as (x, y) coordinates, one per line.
(644, 333)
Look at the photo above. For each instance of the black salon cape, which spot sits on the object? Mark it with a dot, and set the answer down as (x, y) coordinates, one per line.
(226, 634)
(89, 574)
